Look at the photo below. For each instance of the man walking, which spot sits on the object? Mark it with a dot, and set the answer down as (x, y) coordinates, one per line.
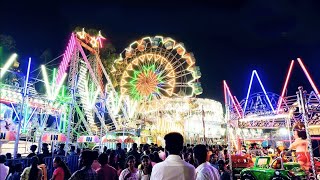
(204, 171)
(173, 167)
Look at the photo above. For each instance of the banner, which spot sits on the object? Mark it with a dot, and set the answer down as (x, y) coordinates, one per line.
(48, 137)
(93, 139)
(6, 136)
(108, 140)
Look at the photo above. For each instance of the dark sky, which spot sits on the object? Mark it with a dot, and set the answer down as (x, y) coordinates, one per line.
(228, 38)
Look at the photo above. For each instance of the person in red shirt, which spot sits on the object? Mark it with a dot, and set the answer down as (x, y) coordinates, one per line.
(62, 171)
(106, 172)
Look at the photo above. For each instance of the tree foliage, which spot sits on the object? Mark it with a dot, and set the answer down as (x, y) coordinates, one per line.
(46, 56)
(7, 46)
(7, 42)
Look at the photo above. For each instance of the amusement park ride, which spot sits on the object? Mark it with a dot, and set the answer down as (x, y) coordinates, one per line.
(262, 116)
(153, 92)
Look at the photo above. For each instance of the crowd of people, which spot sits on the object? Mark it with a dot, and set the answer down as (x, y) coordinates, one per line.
(143, 162)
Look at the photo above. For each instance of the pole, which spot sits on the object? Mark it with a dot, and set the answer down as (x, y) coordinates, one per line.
(288, 122)
(305, 118)
(25, 96)
(228, 135)
(100, 145)
(70, 119)
(229, 148)
(40, 136)
(228, 139)
(123, 134)
(204, 127)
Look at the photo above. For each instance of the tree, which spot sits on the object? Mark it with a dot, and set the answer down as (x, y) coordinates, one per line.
(7, 46)
(7, 42)
(46, 56)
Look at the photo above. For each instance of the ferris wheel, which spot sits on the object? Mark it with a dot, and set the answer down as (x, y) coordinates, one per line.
(157, 67)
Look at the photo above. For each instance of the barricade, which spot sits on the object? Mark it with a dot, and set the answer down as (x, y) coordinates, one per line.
(71, 162)
(25, 162)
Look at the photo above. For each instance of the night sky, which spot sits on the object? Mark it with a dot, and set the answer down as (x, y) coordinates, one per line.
(228, 38)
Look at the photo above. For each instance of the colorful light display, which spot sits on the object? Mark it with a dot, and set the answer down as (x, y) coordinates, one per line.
(95, 41)
(158, 67)
(52, 89)
(285, 86)
(308, 76)
(254, 73)
(66, 59)
(147, 81)
(227, 93)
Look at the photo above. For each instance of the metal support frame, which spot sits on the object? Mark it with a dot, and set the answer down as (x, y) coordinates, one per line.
(25, 96)
(304, 108)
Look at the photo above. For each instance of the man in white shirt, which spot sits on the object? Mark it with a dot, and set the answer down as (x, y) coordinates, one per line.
(173, 167)
(4, 170)
(204, 171)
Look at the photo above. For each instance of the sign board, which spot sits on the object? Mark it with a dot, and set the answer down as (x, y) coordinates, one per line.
(6, 136)
(93, 139)
(49, 137)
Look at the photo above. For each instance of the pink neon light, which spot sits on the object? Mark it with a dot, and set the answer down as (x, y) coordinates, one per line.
(225, 92)
(285, 86)
(308, 76)
(100, 42)
(66, 59)
(233, 102)
(100, 38)
(235, 98)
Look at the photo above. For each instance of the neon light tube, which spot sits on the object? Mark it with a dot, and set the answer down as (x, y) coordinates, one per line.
(66, 58)
(236, 100)
(248, 93)
(285, 86)
(53, 76)
(27, 78)
(46, 80)
(264, 91)
(57, 89)
(308, 76)
(8, 64)
(257, 118)
(233, 102)
(225, 92)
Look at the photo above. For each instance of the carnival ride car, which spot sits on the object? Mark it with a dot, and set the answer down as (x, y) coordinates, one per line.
(240, 162)
(267, 169)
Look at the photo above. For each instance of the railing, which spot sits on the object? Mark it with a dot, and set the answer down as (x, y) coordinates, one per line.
(71, 162)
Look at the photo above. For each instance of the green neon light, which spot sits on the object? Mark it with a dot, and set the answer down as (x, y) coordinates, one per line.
(53, 77)
(63, 122)
(145, 69)
(63, 89)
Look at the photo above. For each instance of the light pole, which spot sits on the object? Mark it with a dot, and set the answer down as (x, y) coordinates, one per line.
(25, 96)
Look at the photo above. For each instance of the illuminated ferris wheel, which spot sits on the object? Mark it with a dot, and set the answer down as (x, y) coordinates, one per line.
(157, 67)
